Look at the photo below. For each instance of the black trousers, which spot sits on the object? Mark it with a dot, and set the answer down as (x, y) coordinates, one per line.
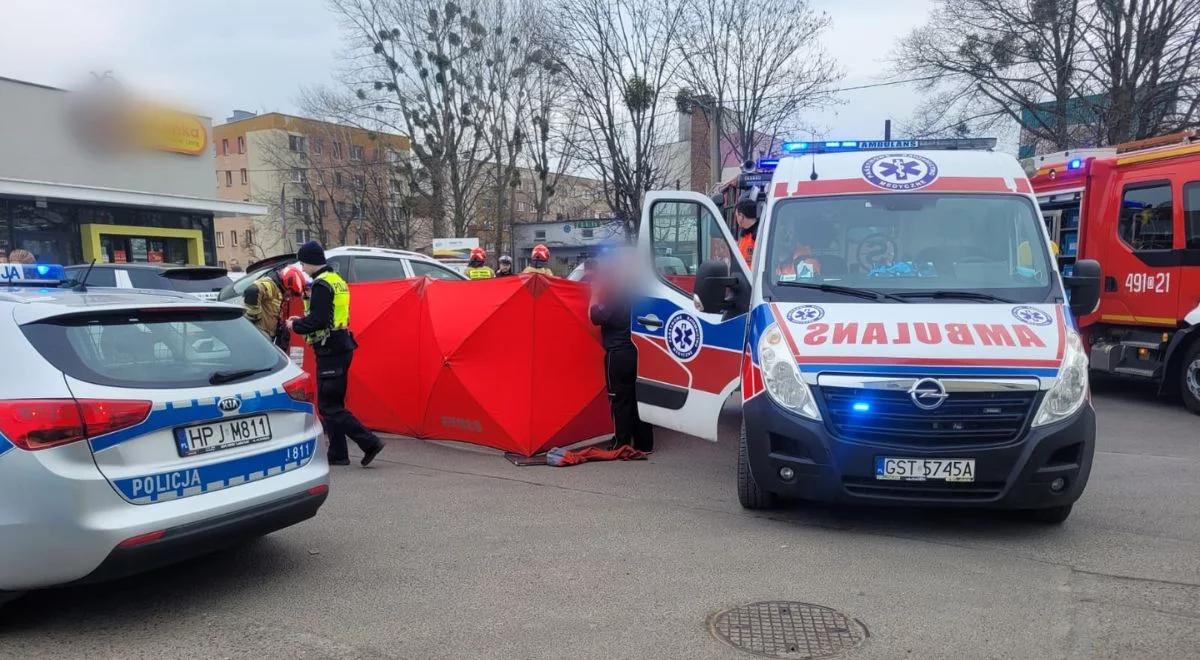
(339, 422)
(620, 375)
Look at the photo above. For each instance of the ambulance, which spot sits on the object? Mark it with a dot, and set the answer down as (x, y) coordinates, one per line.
(901, 335)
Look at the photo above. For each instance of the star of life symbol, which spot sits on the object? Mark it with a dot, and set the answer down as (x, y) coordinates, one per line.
(900, 171)
(805, 314)
(683, 336)
(1031, 315)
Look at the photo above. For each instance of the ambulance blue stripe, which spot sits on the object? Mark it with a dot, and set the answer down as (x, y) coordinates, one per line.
(5, 445)
(216, 476)
(730, 334)
(171, 417)
(928, 370)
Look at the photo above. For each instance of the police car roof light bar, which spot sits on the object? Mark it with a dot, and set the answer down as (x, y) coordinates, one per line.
(838, 146)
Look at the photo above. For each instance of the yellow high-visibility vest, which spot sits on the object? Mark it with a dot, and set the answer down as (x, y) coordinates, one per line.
(481, 273)
(341, 306)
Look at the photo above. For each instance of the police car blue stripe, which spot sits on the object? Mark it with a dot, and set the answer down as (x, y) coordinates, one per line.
(927, 370)
(187, 482)
(172, 416)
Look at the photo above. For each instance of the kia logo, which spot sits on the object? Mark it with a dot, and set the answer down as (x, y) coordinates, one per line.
(230, 404)
(927, 393)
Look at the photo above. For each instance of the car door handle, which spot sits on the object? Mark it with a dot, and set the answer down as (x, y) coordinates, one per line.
(651, 322)
(1110, 283)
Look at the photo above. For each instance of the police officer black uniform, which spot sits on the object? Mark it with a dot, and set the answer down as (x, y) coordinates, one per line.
(326, 327)
(611, 310)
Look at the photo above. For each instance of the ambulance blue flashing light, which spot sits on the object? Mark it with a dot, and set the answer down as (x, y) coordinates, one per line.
(1075, 164)
(838, 146)
(766, 164)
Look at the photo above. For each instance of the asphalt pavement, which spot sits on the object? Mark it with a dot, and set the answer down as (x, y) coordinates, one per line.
(440, 551)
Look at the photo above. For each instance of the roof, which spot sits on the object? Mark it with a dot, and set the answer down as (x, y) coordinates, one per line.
(858, 172)
(292, 123)
(33, 304)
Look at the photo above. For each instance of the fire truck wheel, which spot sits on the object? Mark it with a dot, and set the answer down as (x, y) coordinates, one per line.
(1189, 382)
(750, 495)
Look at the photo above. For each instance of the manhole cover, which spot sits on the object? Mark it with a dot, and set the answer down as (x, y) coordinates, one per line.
(780, 629)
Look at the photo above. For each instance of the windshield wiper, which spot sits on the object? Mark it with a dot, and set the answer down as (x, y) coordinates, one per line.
(221, 377)
(869, 294)
(963, 295)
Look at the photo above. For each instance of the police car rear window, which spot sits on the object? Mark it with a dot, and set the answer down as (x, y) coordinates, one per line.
(159, 349)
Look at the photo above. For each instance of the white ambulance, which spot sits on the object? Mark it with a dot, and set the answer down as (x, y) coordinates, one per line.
(901, 335)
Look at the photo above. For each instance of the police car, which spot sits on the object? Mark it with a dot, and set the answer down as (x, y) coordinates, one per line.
(901, 335)
(141, 428)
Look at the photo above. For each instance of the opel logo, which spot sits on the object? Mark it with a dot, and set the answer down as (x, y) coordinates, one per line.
(230, 404)
(927, 393)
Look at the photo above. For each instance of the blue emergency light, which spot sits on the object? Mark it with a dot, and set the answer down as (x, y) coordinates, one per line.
(766, 164)
(838, 146)
(1074, 163)
(861, 406)
(19, 272)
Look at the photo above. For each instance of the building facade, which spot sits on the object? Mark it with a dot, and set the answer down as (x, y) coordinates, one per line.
(95, 175)
(323, 181)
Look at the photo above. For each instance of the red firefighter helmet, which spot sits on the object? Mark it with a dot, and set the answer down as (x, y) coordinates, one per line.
(478, 254)
(540, 253)
(293, 279)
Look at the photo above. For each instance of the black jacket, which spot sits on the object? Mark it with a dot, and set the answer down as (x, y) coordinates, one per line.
(320, 317)
(612, 315)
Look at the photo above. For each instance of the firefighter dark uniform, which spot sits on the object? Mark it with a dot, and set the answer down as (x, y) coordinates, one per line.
(326, 327)
(620, 372)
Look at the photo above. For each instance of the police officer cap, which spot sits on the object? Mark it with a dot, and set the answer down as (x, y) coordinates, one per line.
(311, 253)
(747, 206)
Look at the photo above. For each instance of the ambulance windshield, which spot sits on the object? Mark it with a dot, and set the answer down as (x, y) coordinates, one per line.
(898, 242)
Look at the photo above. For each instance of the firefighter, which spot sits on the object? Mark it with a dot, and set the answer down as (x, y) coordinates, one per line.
(506, 266)
(746, 216)
(326, 327)
(477, 269)
(538, 258)
(268, 301)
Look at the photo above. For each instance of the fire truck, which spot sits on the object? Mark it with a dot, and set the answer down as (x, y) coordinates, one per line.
(1135, 208)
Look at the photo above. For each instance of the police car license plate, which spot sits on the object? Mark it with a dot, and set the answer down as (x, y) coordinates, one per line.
(923, 469)
(227, 433)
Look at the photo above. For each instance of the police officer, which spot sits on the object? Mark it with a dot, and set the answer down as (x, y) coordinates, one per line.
(477, 269)
(326, 327)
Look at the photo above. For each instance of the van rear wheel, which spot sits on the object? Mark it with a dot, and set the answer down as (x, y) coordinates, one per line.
(750, 495)
(1189, 378)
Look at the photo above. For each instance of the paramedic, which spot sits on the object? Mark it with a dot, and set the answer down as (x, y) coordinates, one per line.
(746, 216)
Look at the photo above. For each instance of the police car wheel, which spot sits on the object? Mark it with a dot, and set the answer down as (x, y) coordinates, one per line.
(749, 494)
(1189, 378)
(1053, 515)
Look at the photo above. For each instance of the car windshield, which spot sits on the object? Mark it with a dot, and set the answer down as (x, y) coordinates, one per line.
(911, 244)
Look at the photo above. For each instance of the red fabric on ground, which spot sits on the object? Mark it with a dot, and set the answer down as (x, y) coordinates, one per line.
(565, 457)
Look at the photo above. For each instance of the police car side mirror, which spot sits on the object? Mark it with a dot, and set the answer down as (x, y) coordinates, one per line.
(718, 291)
(1084, 287)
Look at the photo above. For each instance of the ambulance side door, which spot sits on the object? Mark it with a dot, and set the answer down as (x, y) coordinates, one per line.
(688, 361)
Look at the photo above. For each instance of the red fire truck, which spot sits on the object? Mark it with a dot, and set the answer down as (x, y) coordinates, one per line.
(1134, 208)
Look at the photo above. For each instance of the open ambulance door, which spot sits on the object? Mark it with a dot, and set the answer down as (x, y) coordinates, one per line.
(689, 361)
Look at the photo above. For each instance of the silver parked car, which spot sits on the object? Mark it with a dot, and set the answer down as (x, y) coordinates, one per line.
(141, 428)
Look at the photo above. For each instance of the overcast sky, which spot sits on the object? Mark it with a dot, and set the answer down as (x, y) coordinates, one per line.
(218, 55)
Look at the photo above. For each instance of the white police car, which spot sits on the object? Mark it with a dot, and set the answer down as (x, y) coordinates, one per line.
(141, 428)
(900, 336)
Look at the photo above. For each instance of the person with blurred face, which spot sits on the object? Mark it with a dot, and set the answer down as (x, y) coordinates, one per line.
(20, 256)
(610, 309)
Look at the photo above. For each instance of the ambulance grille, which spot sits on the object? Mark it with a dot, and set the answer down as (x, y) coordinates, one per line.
(964, 419)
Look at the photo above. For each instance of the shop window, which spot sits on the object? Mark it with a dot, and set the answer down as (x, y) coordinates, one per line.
(220, 239)
(232, 238)
(244, 179)
(241, 144)
(1146, 221)
(1191, 214)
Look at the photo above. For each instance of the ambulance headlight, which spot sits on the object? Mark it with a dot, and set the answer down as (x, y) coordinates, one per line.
(1071, 390)
(781, 376)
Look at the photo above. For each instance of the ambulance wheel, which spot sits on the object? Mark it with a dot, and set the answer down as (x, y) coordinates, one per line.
(749, 494)
(1189, 378)
(1053, 516)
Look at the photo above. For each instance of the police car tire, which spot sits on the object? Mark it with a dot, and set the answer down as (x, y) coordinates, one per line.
(749, 494)
(1052, 516)
(1189, 399)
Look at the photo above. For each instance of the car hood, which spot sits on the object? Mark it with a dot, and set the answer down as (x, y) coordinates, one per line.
(925, 338)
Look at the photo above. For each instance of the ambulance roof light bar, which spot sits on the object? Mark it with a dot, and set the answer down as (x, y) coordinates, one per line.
(839, 146)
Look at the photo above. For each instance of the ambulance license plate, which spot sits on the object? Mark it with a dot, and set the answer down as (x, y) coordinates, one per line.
(925, 469)
(227, 433)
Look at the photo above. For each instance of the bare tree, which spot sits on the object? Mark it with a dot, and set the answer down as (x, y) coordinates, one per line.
(620, 58)
(753, 66)
(553, 131)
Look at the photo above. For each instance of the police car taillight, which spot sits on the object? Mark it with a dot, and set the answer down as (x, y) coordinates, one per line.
(34, 424)
(300, 388)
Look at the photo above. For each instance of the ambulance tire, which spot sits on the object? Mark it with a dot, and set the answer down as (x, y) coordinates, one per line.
(1190, 389)
(1052, 516)
(749, 494)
